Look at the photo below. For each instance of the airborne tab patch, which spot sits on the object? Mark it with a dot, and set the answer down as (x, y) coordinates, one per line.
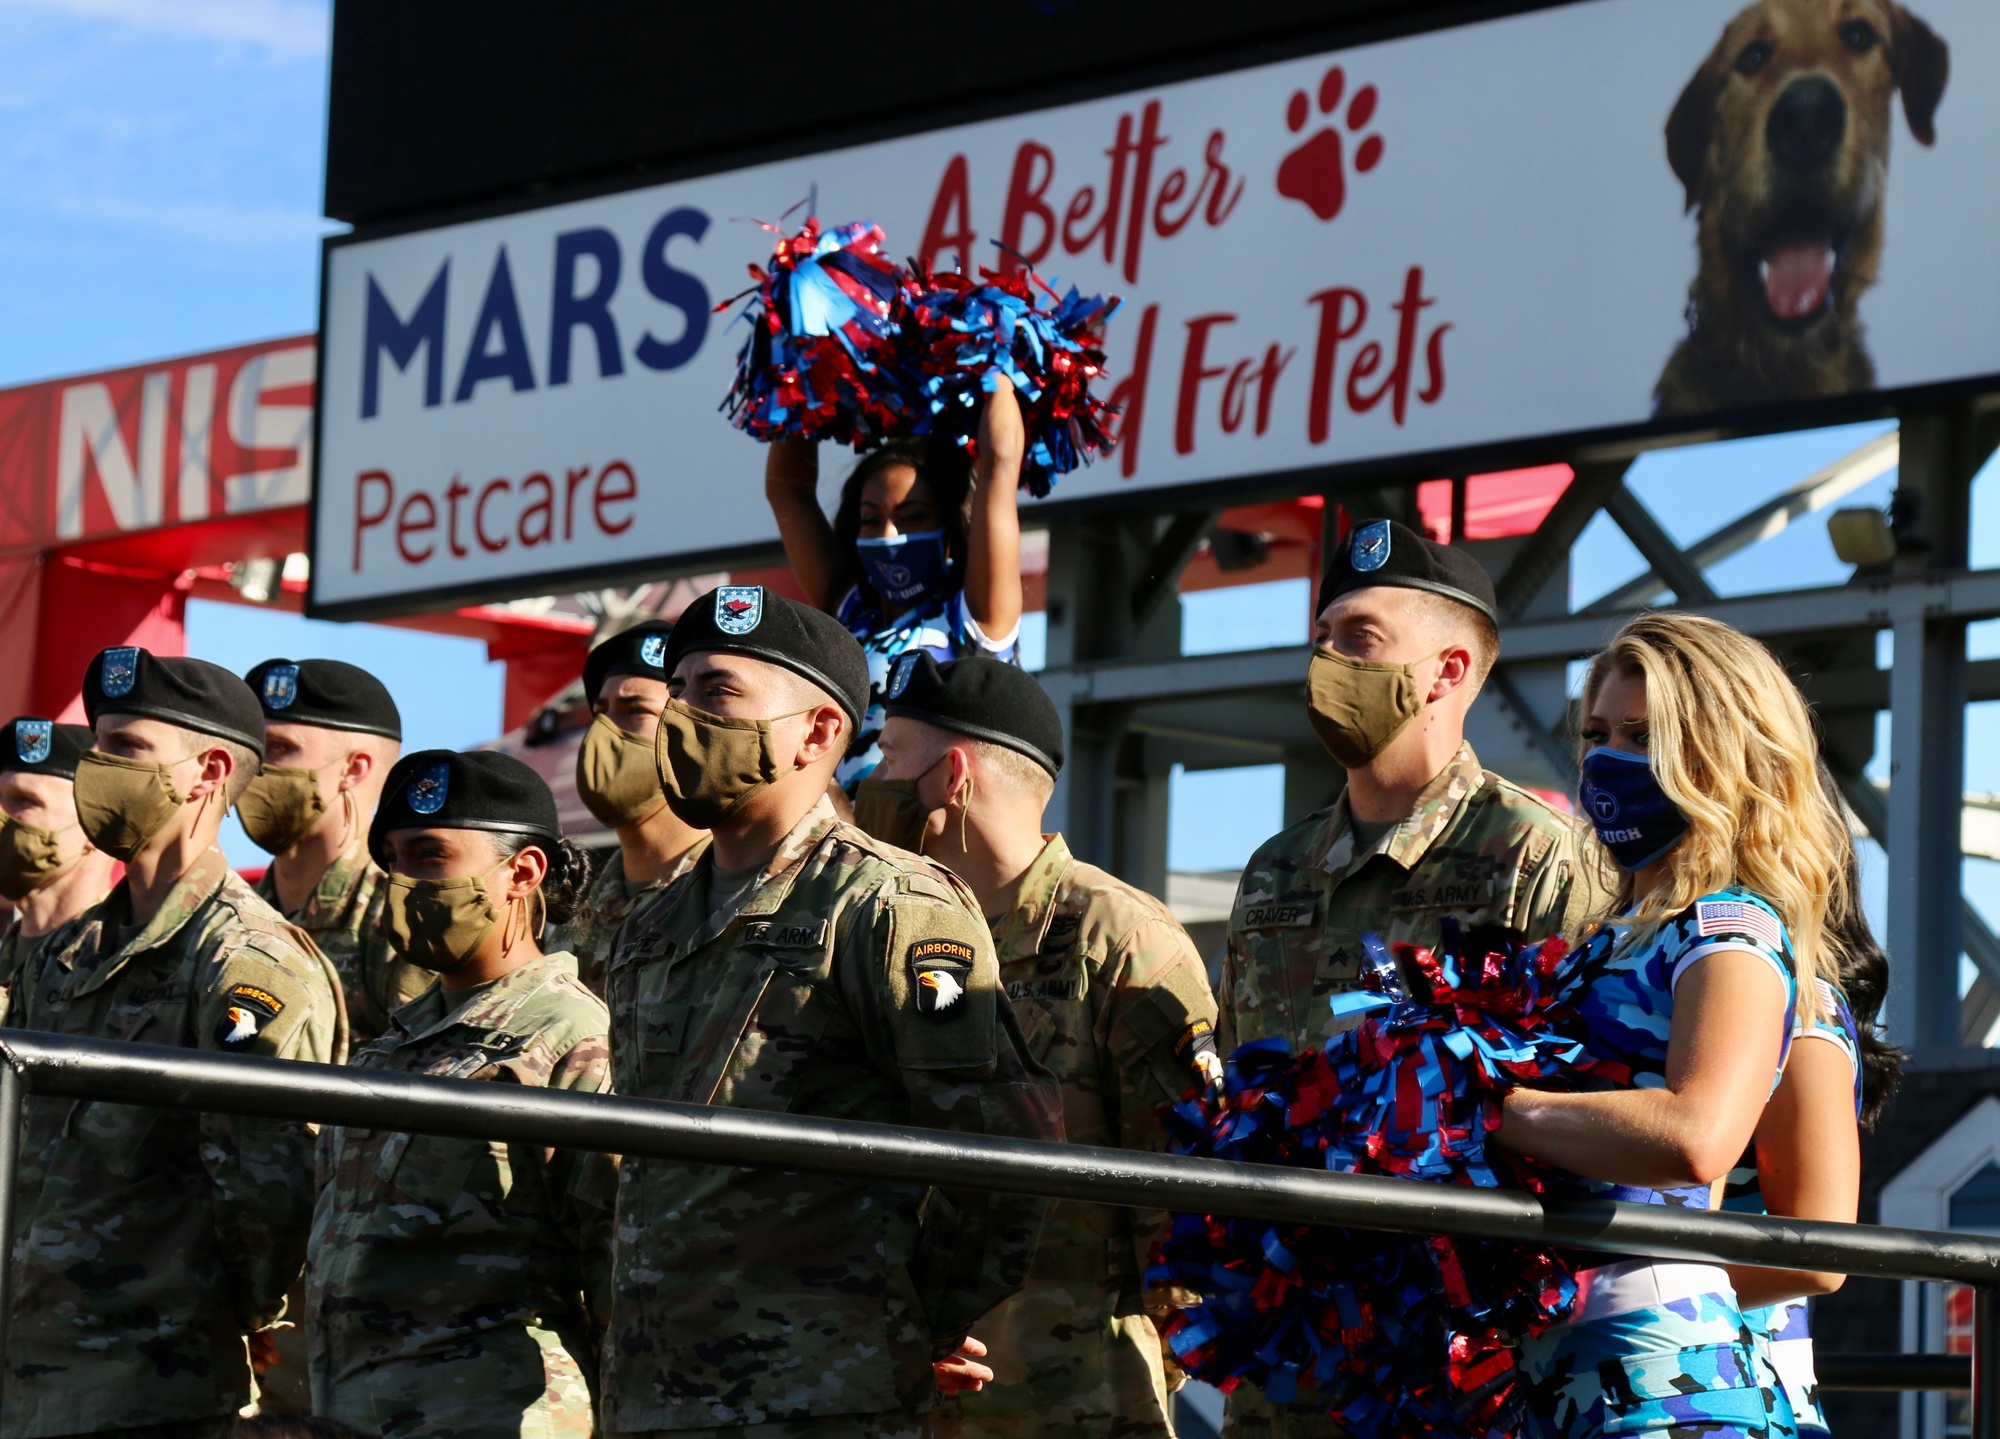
(939, 972)
(249, 1012)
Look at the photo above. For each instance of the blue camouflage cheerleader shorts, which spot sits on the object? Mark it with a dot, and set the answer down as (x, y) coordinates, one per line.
(1682, 1369)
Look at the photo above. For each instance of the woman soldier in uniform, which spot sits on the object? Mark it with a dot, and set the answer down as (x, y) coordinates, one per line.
(455, 1286)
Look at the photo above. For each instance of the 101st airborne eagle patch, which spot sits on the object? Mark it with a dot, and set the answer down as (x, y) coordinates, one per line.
(249, 1012)
(940, 969)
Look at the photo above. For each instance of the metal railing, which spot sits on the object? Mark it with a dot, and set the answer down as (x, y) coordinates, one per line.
(162, 1077)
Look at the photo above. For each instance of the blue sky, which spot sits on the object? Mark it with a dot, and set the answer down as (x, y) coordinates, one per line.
(161, 164)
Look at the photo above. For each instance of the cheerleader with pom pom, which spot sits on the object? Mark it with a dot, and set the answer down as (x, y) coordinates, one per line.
(923, 552)
(1701, 780)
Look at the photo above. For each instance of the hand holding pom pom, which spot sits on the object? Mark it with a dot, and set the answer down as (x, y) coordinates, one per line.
(820, 362)
(1391, 1334)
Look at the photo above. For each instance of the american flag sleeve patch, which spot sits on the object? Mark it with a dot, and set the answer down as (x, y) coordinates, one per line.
(1731, 916)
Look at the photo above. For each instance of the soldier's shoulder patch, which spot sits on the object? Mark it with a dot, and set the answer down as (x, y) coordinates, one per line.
(940, 969)
(248, 1012)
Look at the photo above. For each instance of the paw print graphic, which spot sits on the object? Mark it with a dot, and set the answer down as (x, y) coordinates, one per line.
(1315, 173)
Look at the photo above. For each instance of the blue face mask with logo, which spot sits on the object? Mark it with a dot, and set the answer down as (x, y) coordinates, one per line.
(905, 568)
(1626, 806)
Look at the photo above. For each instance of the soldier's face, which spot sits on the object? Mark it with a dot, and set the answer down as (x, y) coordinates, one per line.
(42, 800)
(301, 746)
(439, 853)
(633, 703)
(1618, 715)
(1386, 625)
(154, 741)
(911, 750)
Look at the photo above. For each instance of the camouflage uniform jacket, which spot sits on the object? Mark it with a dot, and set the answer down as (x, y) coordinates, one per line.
(1114, 999)
(450, 1282)
(149, 1242)
(343, 914)
(17, 957)
(590, 931)
(852, 981)
(1474, 848)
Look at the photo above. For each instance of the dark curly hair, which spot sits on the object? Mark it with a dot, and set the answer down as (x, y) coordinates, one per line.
(944, 468)
(1864, 979)
(568, 879)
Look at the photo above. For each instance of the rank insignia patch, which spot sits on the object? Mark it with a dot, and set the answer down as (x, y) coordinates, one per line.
(940, 970)
(32, 738)
(120, 671)
(249, 1011)
(738, 608)
(1370, 547)
(281, 686)
(428, 790)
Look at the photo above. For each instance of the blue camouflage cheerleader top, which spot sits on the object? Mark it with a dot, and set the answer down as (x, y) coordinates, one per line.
(940, 624)
(1622, 983)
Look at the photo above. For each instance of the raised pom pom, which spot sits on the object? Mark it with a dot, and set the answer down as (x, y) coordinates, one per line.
(826, 324)
(966, 334)
(1390, 1334)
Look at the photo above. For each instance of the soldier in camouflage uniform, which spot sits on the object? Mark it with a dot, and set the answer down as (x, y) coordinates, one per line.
(1422, 833)
(456, 1287)
(332, 732)
(150, 1243)
(618, 780)
(801, 967)
(1111, 996)
(48, 870)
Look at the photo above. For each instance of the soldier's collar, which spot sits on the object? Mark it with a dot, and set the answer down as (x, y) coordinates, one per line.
(494, 1008)
(197, 885)
(1410, 840)
(330, 896)
(775, 884)
(1018, 933)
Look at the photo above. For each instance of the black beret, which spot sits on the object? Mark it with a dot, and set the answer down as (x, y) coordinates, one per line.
(982, 697)
(1383, 552)
(126, 680)
(37, 746)
(641, 650)
(327, 694)
(750, 620)
(475, 789)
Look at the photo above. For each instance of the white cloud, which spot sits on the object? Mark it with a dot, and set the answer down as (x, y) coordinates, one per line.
(222, 224)
(290, 29)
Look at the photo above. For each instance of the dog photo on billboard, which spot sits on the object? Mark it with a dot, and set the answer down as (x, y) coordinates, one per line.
(1782, 142)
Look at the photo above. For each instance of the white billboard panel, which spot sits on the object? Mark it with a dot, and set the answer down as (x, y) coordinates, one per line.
(1590, 218)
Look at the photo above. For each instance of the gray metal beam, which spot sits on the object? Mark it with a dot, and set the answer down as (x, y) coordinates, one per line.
(1558, 532)
(1964, 595)
(1660, 551)
(1169, 556)
(1815, 492)
(1559, 757)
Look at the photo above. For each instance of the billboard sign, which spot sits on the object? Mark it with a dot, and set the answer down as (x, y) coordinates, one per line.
(202, 438)
(1591, 219)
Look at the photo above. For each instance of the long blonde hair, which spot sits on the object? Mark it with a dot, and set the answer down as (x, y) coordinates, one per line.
(1733, 745)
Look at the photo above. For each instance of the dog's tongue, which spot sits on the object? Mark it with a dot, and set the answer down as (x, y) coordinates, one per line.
(1797, 279)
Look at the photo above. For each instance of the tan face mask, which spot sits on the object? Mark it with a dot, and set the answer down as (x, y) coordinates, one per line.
(617, 776)
(30, 857)
(281, 804)
(709, 765)
(122, 803)
(1358, 706)
(439, 924)
(890, 810)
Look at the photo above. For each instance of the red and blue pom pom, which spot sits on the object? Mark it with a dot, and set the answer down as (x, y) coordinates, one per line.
(971, 334)
(1390, 1334)
(826, 324)
(847, 345)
